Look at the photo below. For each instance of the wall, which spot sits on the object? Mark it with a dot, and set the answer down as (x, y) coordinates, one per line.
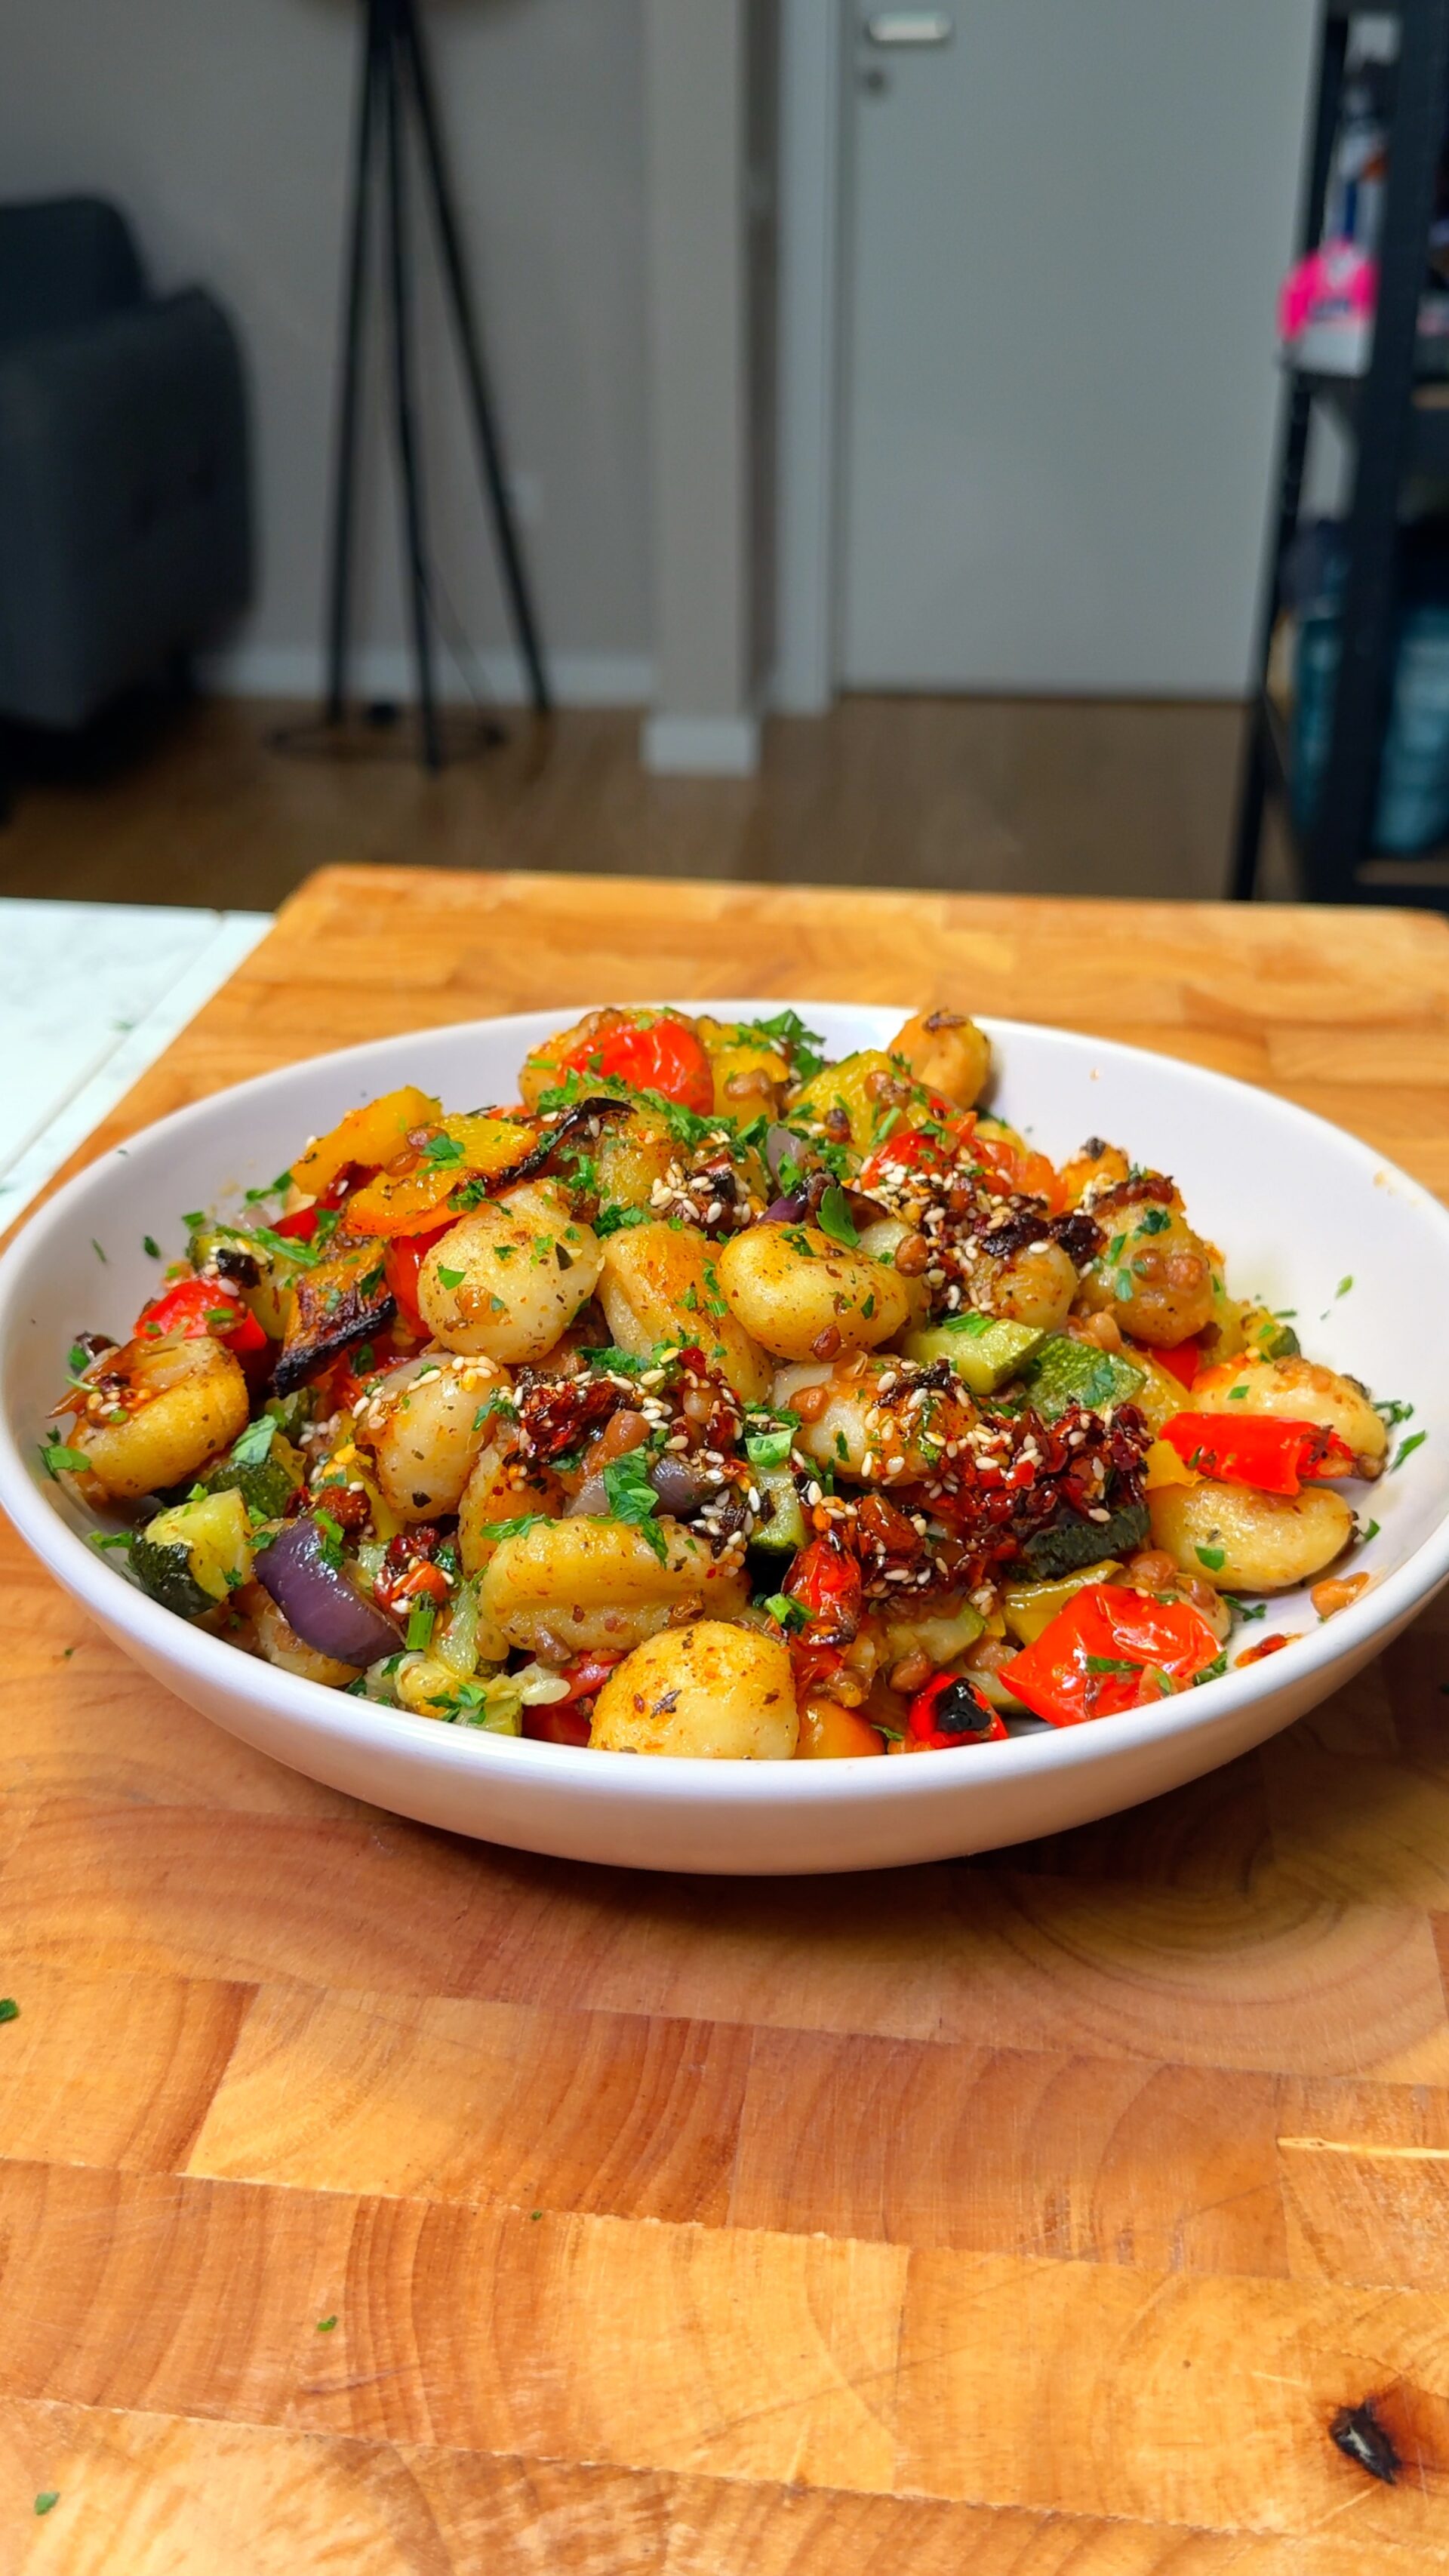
(224, 128)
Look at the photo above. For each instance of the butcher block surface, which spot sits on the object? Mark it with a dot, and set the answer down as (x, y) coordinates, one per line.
(375, 2201)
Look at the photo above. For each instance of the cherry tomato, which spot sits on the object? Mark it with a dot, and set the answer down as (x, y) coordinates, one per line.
(1013, 1167)
(195, 1307)
(913, 1149)
(401, 1263)
(827, 1584)
(662, 1055)
(1110, 1649)
(950, 1711)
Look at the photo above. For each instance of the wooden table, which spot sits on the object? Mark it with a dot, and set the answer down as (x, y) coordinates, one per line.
(373, 2201)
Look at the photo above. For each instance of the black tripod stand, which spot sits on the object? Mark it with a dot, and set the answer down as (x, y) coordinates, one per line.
(394, 74)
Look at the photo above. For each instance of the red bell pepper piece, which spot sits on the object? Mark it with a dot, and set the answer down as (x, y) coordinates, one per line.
(662, 1055)
(401, 1263)
(950, 1711)
(301, 1224)
(1257, 1449)
(199, 1306)
(1110, 1649)
(1184, 1360)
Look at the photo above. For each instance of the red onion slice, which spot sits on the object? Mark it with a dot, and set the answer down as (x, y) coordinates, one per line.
(319, 1601)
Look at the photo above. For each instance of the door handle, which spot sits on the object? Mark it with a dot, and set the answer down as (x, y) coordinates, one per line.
(909, 27)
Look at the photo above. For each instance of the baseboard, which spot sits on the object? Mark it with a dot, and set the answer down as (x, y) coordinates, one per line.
(386, 671)
(701, 746)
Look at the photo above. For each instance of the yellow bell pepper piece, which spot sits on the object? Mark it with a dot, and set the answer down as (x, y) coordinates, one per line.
(373, 1134)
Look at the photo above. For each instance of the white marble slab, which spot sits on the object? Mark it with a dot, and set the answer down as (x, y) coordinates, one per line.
(90, 994)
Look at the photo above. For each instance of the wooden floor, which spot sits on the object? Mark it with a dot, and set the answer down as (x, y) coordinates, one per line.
(988, 795)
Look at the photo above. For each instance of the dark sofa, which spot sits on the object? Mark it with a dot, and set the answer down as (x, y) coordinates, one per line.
(125, 521)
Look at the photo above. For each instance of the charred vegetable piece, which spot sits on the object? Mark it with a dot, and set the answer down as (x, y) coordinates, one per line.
(949, 1713)
(984, 1350)
(1065, 1372)
(341, 1301)
(1073, 1540)
(191, 1557)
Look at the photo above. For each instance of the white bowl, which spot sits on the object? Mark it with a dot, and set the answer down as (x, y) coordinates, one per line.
(1296, 1206)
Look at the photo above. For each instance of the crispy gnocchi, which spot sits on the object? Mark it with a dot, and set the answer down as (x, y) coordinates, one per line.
(721, 1403)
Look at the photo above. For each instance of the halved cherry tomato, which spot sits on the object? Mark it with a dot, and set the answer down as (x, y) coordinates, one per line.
(1184, 1360)
(950, 1711)
(662, 1055)
(401, 1263)
(1014, 1167)
(827, 1584)
(200, 1306)
(1257, 1449)
(1005, 1167)
(912, 1149)
(1110, 1649)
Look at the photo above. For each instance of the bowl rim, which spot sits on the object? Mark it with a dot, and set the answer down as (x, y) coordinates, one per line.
(216, 1667)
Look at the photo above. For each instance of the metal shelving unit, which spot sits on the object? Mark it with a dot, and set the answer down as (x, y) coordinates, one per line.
(1393, 436)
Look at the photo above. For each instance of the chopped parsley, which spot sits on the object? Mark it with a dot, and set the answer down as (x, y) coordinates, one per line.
(613, 1220)
(451, 1278)
(270, 1189)
(255, 1442)
(285, 1247)
(1371, 1532)
(785, 1612)
(517, 1528)
(1116, 1664)
(1155, 1220)
(47, 2499)
(1214, 1558)
(57, 1458)
(1343, 1287)
(787, 1029)
(770, 1448)
(9, 2008)
(97, 1249)
(325, 2324)
(632, 1498)
(1407, 1447)
(150, 1247)
(331, 1539)
(441, 1149)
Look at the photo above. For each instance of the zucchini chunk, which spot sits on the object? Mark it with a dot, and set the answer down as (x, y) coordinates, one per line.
(266, 1472)
(1073, 1540)
(191, 1557)
(1065, 1372)
(984, 1350)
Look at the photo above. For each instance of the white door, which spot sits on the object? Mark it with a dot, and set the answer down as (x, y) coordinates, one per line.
(1067, 224)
